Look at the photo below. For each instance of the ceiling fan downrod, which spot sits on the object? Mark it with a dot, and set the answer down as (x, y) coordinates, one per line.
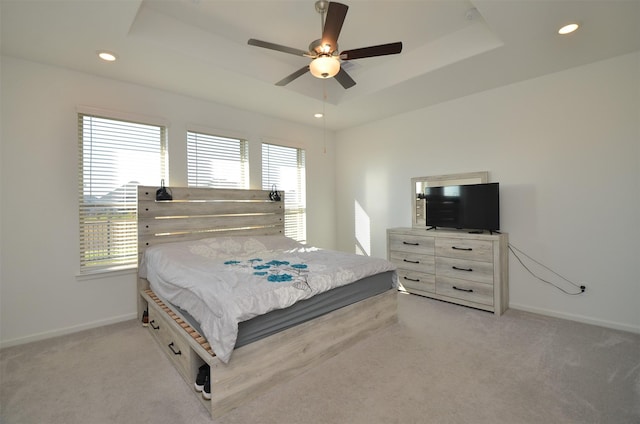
(321, 8)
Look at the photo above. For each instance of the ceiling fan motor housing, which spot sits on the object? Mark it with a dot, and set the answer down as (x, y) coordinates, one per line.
(320, 50)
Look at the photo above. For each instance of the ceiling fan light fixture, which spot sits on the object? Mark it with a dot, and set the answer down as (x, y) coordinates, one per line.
(324, 67)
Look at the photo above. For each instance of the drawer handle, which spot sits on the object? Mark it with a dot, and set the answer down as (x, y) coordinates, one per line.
(155, 327)
(173, 350)
(462, 269)
(468, 249)
(464, 290)
(411, 262)
(411, 279)
(411, 244)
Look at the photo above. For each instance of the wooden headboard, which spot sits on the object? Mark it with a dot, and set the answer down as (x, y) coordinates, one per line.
(196, 213)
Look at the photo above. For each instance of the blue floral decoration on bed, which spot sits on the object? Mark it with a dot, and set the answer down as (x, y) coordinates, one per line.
(275, 271)
(279, 278)
(277, 263)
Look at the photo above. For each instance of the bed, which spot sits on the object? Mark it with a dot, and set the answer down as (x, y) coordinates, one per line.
(232, 240)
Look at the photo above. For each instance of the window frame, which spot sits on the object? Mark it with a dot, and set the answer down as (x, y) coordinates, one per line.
(118, 214)
(295, 201)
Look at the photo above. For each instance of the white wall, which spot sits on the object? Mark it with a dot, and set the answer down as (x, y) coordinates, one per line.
(566, 151)
(40, 295)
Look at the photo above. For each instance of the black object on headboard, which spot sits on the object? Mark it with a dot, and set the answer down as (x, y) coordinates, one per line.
(274, 195)
(163, 193)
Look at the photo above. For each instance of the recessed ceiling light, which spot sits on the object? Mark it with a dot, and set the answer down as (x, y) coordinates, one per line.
(318, 115)
(107, 56)
(568, 29)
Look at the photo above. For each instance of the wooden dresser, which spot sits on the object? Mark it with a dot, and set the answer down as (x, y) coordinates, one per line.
(455, 266)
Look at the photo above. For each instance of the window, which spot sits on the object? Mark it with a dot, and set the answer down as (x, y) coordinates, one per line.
(114, 158)
(214, 161)
(284, 169)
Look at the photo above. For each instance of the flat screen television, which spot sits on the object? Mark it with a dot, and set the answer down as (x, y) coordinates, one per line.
(472, 206)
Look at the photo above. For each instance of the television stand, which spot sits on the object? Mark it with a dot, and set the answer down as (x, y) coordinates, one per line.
(454, 266)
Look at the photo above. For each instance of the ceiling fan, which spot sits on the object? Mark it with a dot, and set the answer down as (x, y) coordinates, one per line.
(324, 51)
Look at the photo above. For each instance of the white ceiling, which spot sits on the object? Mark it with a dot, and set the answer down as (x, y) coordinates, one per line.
(452, 48)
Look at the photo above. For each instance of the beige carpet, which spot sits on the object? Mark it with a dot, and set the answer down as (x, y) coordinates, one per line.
(441, 363)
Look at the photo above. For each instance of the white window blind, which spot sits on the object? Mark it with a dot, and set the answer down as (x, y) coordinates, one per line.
(214, 161)
(284, 169)
(114, 158)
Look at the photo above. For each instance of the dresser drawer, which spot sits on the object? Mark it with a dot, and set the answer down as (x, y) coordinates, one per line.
(412, 243)
(470, 291)
(413, 261)
(173, 344)
(475, 250)
(481, 272)
(419, 281)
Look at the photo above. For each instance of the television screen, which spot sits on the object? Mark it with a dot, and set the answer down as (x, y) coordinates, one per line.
(473, 206)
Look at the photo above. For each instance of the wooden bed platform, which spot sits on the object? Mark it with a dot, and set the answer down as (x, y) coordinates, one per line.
(254, 368)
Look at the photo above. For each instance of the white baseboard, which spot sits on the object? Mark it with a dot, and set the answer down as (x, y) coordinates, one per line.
(578, 318)
(68, 330)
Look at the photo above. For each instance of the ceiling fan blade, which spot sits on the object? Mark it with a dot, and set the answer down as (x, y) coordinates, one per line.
(344, 79)
(333, 24)
(286, 80)
(277, 47)
(381, 50)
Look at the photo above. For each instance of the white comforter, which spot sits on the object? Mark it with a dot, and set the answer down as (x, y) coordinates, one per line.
(222, 281)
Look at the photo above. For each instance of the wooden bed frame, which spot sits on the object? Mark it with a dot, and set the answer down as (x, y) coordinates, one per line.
(196, 213)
